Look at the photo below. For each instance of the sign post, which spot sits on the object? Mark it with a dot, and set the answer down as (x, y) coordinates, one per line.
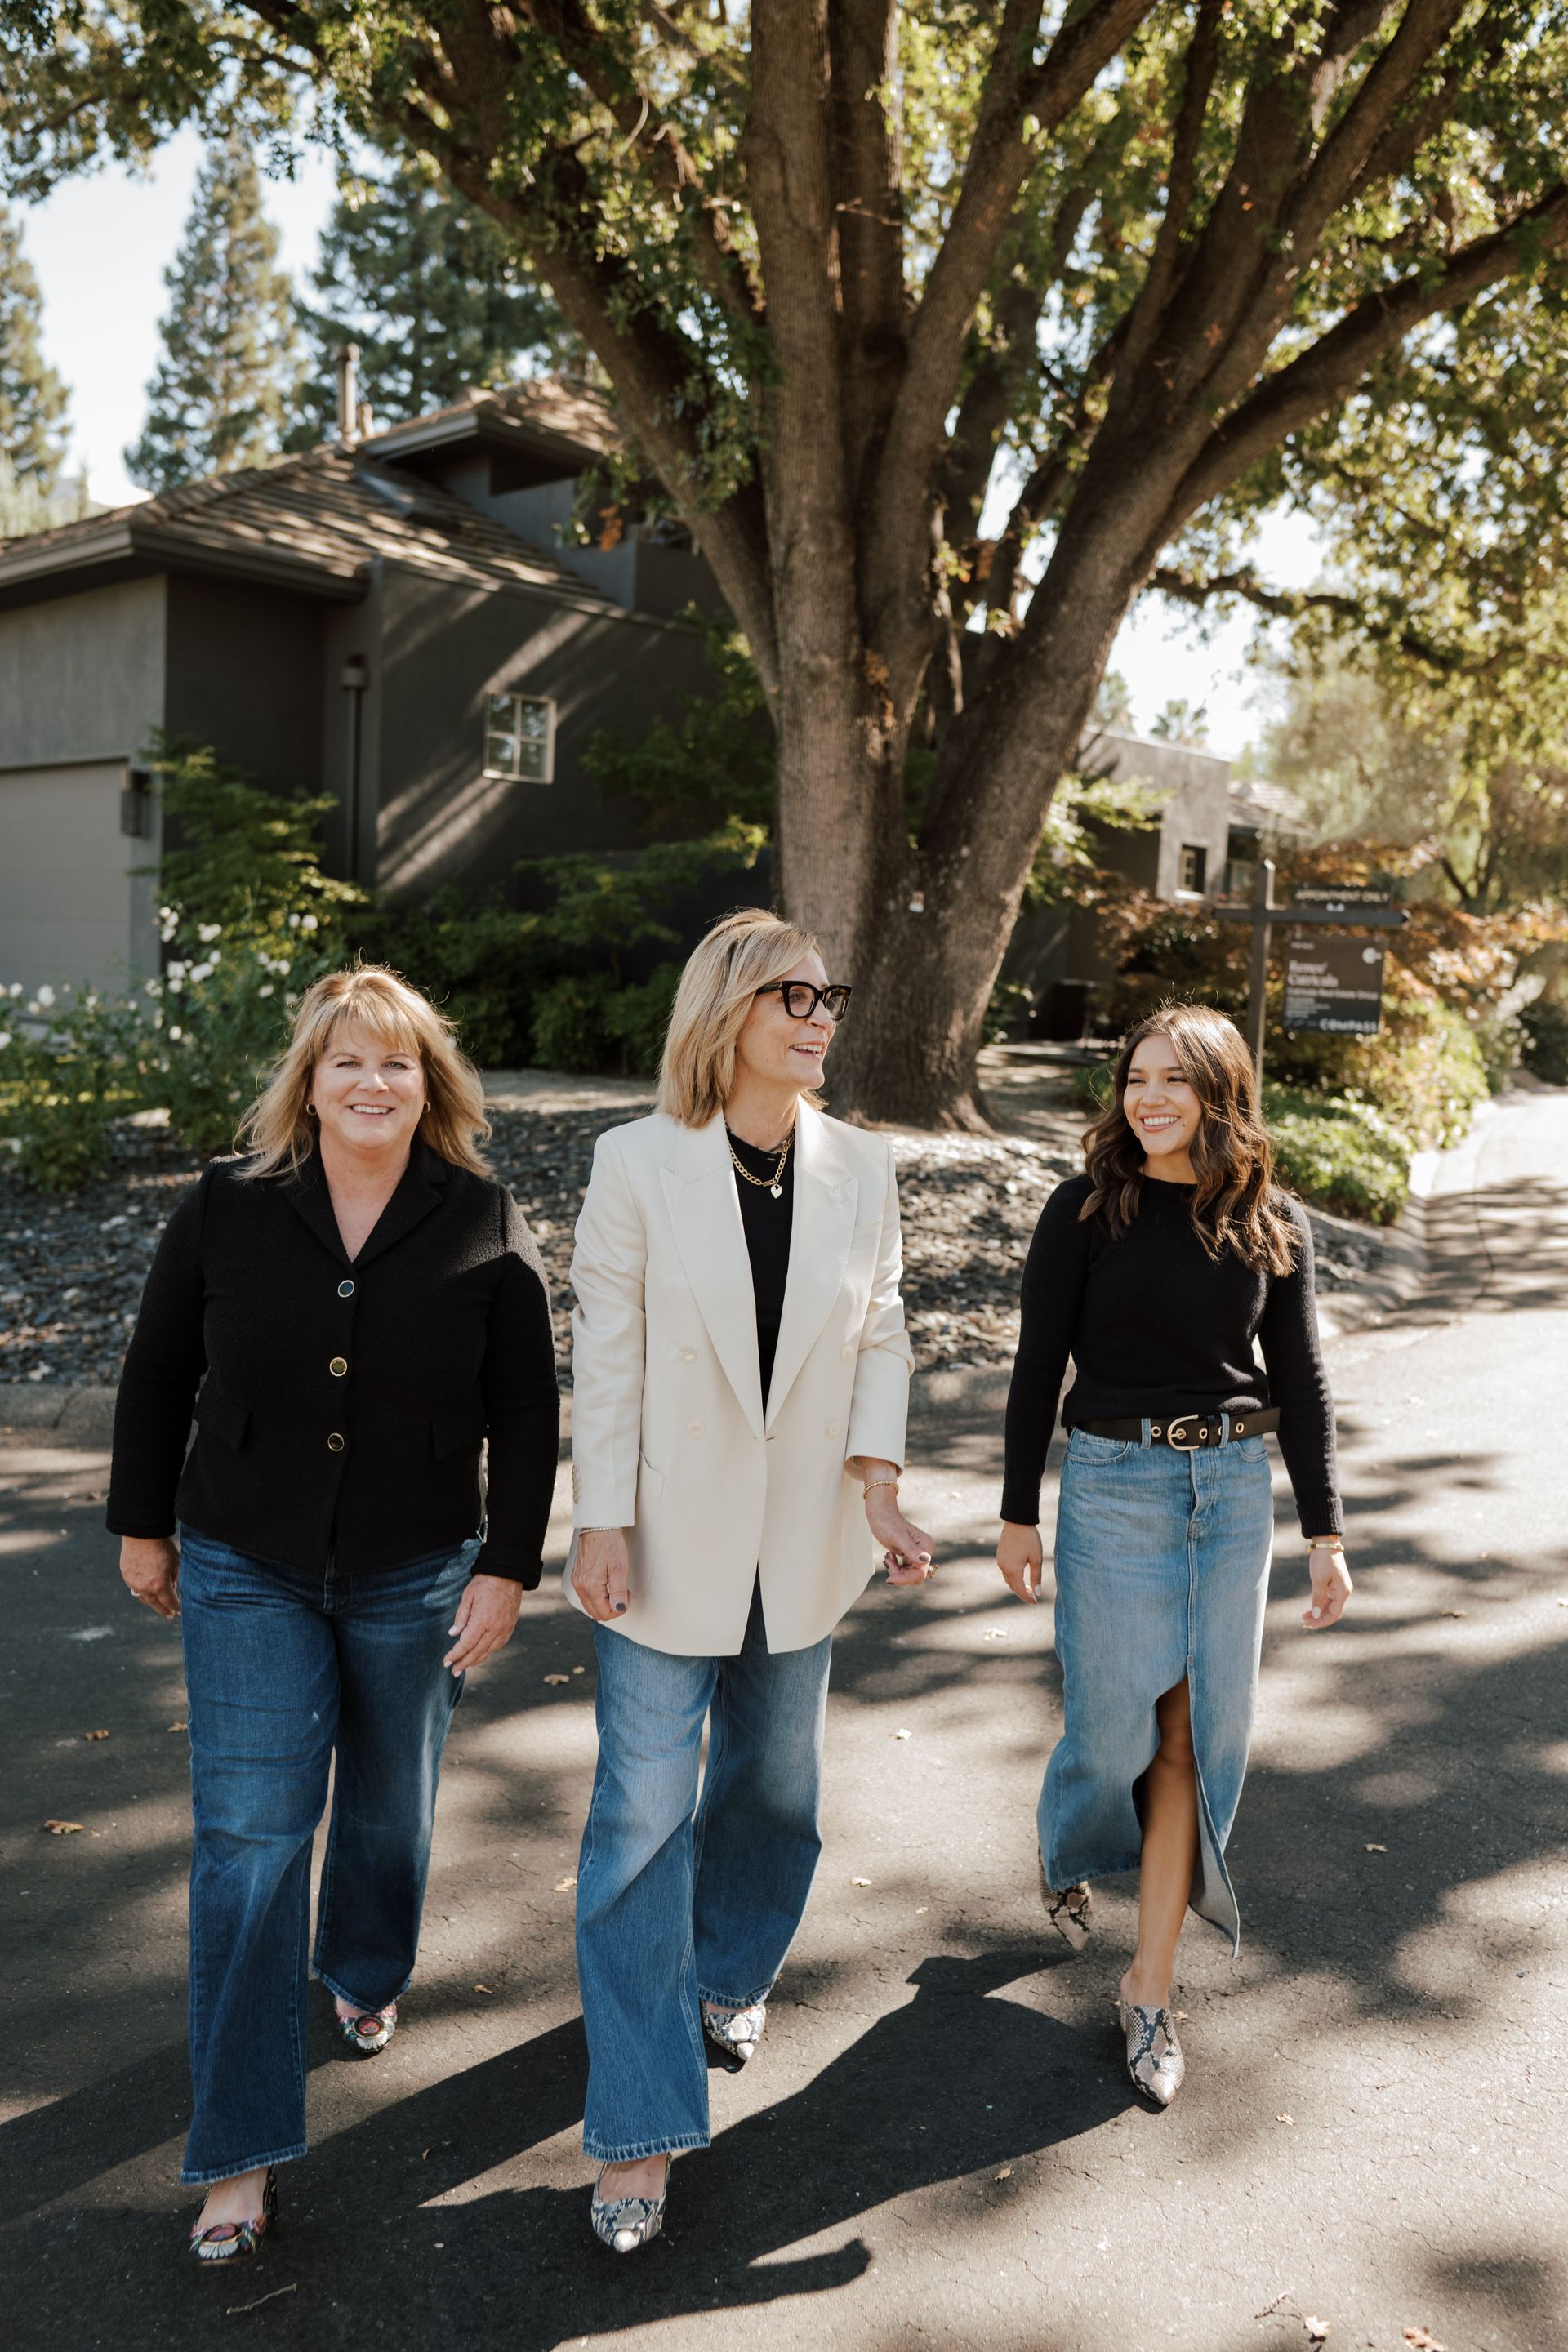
(1338, 983)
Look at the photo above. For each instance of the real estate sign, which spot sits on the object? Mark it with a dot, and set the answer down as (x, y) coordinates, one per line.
(1333, 983)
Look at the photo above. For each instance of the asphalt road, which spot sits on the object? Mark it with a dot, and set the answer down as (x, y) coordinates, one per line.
(936, 2146)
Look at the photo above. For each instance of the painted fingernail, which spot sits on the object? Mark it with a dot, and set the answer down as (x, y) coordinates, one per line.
(1317, 1613)
(620, 1608)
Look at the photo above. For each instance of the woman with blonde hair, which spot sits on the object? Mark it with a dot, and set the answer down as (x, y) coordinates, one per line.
(739, 1389)
(1157, 1271)
(349, 1312)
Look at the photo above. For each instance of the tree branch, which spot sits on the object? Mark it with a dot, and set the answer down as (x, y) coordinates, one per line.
(862, 36)
(1293, 605)
(1187, 136)
(1333, 365)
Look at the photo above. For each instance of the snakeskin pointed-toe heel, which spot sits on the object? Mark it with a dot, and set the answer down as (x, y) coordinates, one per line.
(235, 2241)
(1154, 2060)
(627, 2224)
(735, 2031)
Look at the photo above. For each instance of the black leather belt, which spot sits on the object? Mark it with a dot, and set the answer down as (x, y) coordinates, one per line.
(1189, 1431)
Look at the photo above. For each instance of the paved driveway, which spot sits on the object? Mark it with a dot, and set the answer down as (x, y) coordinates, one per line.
(937, 2146)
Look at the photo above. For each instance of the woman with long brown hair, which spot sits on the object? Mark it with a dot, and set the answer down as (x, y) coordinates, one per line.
(1160, 1271)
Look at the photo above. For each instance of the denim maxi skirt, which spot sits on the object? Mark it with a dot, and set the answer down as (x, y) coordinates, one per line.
(1162, 1563)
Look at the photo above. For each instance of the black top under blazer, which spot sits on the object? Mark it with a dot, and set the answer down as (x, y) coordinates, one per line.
(342, 1404)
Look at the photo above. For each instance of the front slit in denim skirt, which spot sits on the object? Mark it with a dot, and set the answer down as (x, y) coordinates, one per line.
(1162, 1565)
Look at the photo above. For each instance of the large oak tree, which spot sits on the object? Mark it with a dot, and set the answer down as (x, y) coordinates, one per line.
(948, 326)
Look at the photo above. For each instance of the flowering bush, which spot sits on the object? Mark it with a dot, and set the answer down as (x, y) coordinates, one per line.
(70, 1062)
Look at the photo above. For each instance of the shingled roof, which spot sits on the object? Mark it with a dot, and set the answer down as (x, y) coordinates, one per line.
(317, 523)
(560, 412)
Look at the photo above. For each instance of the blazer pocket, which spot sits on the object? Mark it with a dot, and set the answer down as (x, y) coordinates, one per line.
(223, 1417)
(458, 1431)
(650, 1482)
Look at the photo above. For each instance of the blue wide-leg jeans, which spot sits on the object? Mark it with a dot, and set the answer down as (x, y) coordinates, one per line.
(282, 1669)
(681, 1901)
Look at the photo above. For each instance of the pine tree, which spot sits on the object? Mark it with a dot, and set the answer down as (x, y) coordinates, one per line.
(428, 289)
(33, 426)
(222, 389)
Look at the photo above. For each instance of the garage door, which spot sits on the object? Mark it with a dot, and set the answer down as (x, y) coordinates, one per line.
(67, 899)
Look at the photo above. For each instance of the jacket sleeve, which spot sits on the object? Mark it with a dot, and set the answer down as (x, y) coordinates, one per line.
(880, 1408)
(609, 1267)
(523, 1408)
(164, 1368)
(1050, 1299)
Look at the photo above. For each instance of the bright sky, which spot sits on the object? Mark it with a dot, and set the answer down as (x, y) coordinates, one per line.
(101, 246)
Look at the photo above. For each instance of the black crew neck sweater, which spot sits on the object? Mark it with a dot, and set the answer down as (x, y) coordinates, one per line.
(767, 1225)
(1155, 1327)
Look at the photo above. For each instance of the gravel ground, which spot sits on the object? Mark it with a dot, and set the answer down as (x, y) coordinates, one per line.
(71, 1270)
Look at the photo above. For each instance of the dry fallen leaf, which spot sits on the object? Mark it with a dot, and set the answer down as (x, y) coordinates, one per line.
(1317, 2329)
(1453, 1613)
(557, 1678)
(564, 1885)
(61, 1829)
(481, 1988)
(1374, 1849)
(859, 1882)
(95, 1734)
(423, 2153)
(179, 1727)
(920, 1910)
(1421, 2340)
(1284, 2119)
(1182, 2016)
(578, 1670)
(1006, 2173)
(994, 1633)
(898, 1734)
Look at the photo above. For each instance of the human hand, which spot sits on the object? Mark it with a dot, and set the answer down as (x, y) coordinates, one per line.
(1331, 1588)
(150, 1566)
(486, 1616)
(1021, 1559)
(907, 1548)
(601, 1572)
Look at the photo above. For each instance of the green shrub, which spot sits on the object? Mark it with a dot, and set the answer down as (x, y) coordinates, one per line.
(637, 1018)
(1338, 1154)
(1007, 1013)
(571, 1024)
(1545, 1051)
(61, 1086)
(222, 1021)
(483, 964)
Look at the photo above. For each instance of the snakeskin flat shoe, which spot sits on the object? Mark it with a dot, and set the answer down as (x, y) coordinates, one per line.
(627, 2224)
(235, 2241)
(735, 2031)
(1155, 2059)
(1069, 1909)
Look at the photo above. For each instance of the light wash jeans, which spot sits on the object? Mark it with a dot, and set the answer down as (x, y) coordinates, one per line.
(1162, 1567)
(282, 1668)
(680, 1901)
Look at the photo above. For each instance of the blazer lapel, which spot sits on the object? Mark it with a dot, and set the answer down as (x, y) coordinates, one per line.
(826, 1198)
(418, 1191)
(700, 1192)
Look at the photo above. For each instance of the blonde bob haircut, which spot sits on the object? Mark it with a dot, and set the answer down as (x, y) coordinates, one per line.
(279, 1129)
(745, 951)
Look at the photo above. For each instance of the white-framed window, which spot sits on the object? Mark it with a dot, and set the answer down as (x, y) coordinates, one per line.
(1194, 867)
(520, 738)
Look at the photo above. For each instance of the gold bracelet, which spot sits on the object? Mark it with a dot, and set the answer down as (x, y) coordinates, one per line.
(875, 1484)
(1325, 1543)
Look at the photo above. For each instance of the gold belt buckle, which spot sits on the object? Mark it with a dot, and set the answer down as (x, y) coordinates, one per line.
(1180, 1445)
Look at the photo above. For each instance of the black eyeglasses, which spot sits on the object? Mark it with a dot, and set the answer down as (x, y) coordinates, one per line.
(801, 1000)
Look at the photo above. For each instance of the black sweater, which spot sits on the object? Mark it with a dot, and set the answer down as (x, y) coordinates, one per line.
(767, 1225)
(342, 1405)
(1155, 1327)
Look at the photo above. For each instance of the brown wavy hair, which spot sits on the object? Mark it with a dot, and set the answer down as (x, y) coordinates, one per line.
(1238, 1203)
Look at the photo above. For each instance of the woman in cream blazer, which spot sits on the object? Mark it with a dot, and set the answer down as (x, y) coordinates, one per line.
(740, 1385)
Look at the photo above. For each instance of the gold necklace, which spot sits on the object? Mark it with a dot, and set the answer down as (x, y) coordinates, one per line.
(773, 1184)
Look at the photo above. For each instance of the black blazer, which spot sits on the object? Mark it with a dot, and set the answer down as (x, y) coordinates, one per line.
(342, 1406)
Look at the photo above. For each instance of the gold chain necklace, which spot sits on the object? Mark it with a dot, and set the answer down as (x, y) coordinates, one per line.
(773, 1184)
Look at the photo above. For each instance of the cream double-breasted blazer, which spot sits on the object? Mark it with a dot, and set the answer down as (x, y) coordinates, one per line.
(670, 1439)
